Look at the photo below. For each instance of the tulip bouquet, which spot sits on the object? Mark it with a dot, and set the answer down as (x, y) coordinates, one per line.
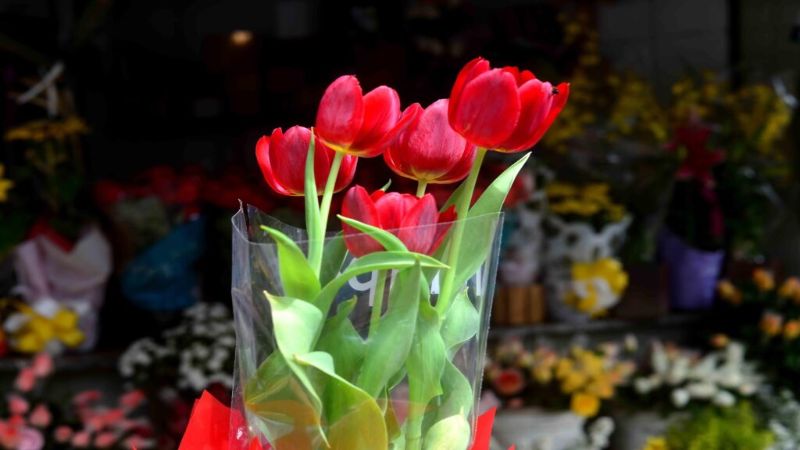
(372, 338)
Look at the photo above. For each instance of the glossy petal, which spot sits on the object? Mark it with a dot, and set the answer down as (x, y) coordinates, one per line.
(393, 208)
(488, 109)
(428, 148)
(536, 98)
(559, 101)
(459, 171)
(288, 157)
(346, 172)
(358, 205)
(470, 71)
(418, 228)
(323, 158)
(263, 157)
(341, 112)
(381, 113)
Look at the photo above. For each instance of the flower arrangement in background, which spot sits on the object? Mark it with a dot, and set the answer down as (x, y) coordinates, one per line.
(679, 377)
(596, 286)
(193, 356)
(46, 326)
(765, 313)
(782, 411)
(591, 203)
(29, 422)
(714, 428)
(578, 380)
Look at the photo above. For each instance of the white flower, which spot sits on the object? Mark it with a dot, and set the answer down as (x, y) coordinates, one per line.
(679, 371)
(631, 343)
(724, 399)
(680, 398)
(747, 389)
(701, 390)
(642, 385)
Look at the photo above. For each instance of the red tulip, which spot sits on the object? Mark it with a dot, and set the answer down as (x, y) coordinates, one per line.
(415, 221)
(282, 158)
(428, 149)
(503, 109)
(357, 124)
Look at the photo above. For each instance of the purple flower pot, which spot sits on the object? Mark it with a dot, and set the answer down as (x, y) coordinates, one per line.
(692, 273)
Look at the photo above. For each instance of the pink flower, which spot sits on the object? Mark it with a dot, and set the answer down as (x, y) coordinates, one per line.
(82, 399)
(110, 417)
(81, 439)
(26, 380)
(40, 416)
(137, 441)
(132, 399)
(43, 365)
(30, 439)
(105, 440)
(17, 405)
(62, 434)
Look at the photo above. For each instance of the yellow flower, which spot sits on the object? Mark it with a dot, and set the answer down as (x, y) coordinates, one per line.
(655, 443)
(728, 292)
(558, 189)
(763, 280)
(601, 387)
(563, 367)
(585, 405)
(789, 289)
(542, 375)
(720, 340)
(771, 324)
(791, 330)
(39, 330)
(5, 185)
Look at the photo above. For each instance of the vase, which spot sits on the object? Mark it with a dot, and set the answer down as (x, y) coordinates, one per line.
(570, 243)
(534, 429)
(692, 274)
(371, 353)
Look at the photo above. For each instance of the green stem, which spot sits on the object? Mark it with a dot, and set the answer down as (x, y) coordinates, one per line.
(315, 239)
(421, 185)
(462, 211)
(330, 184)
(416, 413)
(377, 304)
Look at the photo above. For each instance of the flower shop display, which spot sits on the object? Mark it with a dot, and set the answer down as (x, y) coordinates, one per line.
(783, 412)
(586, 229)
(29, 421)
(48, 326)
(680, 380)
(714, 428)
(547, 396)
(161, 235)
(185, 360)
(373, 338)
(765, 313)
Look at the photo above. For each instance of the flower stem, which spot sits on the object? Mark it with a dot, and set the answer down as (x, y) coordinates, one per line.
(416, 413)
(377, 304)
(421, 185)
(462, 210)
(330, 184)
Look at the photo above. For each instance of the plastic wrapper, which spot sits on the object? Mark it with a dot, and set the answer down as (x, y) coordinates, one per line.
(371, 359)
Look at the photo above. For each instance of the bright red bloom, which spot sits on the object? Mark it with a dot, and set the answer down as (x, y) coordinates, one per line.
(282, 158)
(357, 124)
(428, 149)
(415, 221)
(509, 382)
(503, 109)
(700, 160)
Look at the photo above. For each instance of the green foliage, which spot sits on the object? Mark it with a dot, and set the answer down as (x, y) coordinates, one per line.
(712, 428)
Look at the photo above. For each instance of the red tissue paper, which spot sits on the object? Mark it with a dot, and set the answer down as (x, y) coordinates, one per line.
(210, 421)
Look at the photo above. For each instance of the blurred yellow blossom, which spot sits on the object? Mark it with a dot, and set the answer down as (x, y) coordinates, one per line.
(790, 288)
(655, 443)
(771, 324)
(720, 340)
(791, 330)
(5, 185)
(728, 292)
(596, 286)
(763, 279)
(585, 405)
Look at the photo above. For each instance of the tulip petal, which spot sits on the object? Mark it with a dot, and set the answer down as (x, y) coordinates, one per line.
(488, 109)
(536, 98)
(288, 156)
(381, 112)
(263, 158)
(323, 159)
(434, 148)
(346, 173)
(393, 208)
(558, 104)
(470, 71)
(359, 206)
(462, 167)
(418, 228)
(341, 112)
(393, 156)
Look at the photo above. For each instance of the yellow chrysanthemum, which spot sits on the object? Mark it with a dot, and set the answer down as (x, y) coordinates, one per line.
(585, 405)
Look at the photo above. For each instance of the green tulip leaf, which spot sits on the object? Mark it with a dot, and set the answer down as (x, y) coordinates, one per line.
(492, 199)
(452, 433)
(355, 421)
(461, 322)
(297, 276)
(458, 397)
(389, 241)
(296, 323)
(341, 340)
(370, 263)
(388, 348)
(333, 257)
